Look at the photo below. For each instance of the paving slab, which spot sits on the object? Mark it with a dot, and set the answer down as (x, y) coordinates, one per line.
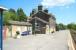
(55, 41)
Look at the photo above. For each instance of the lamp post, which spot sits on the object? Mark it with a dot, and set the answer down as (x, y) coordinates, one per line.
(1, 23)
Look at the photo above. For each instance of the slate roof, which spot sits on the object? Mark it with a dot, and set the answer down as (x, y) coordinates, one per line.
(49, 14)
(40, 11)
(19, 23)
(39, 20)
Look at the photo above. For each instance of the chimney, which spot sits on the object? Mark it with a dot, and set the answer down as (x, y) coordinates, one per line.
(33, 11)
(30, 14)
(45, 10)
(40, 7)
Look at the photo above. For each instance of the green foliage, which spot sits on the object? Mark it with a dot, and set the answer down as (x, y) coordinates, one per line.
(11, 14)
(6, 18)
(71, 26)
(12, 10)
(21, 15)
(57, 27)
(61, 27)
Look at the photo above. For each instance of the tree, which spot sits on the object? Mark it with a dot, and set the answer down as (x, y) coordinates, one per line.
(9, 15)
(71, 26)
(61, 27)
(57, 27)
(12, 10)
(6, 17)
(13, 14)
(21, 15)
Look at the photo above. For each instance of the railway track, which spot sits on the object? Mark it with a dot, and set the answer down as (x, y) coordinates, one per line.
(73, 36)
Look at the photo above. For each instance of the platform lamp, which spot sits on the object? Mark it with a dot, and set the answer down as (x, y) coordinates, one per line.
(1, 23)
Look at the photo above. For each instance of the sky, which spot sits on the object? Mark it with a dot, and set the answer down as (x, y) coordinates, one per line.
(64, 10)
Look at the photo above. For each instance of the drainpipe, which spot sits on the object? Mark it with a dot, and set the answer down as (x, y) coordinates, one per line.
(35, 26)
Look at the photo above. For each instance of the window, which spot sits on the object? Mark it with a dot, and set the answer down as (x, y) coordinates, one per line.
(37, 26)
